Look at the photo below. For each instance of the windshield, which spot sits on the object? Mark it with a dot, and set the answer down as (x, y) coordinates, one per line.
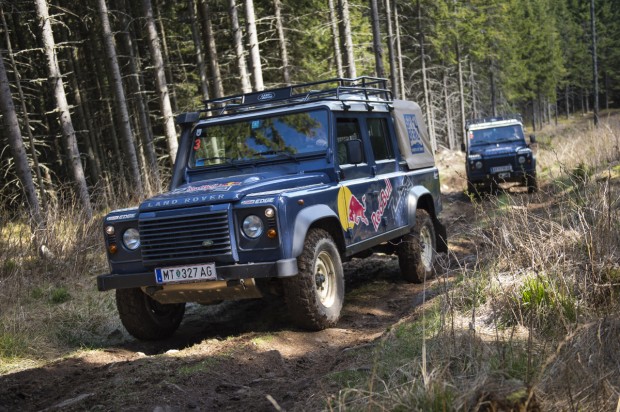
(496, 135)
(287, 135)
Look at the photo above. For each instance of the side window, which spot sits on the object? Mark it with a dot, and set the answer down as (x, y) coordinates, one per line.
(379, 139)
(346, 129)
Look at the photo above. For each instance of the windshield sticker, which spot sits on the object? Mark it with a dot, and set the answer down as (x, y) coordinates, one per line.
(255, 124)
(197, 144)
(384, 199)
(413, 130)
(216, 187)
(198, 132)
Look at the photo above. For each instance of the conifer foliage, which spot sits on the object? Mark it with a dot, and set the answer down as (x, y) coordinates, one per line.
(117, 72)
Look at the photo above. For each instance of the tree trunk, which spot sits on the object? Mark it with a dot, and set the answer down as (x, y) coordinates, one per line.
(26, 117)
(427, 98)
(146, 134)
(166, 56)
(246, 86)
(257, 69)
(118, 91)
(391, 55)
(472, 85)
(216, 75)
(333, 24)
(446, 98)
(461, 90)
(594, 62)
(200, 62)
(399, 52)
(277, 5)
(64, 115)
(160, 81)
(343, 6)
(18, 150)
(376, 38)
(493, 92)
(566, 101)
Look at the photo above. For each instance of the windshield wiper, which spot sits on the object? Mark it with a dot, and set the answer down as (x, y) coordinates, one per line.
(279, 152)
(228, 160)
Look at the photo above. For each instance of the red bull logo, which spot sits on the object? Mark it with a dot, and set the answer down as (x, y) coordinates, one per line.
(357, 211)
(384, 199)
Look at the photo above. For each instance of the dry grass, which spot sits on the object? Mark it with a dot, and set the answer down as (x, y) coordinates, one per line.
(533, 323)
(49, 304)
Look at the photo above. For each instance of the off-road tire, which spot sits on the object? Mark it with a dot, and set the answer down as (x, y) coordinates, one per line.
(316, 294)
(146, 319)
(416, 252)
(531, 181)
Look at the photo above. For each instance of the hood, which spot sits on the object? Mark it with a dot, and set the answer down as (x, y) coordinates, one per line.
(230, 189)
(496, 149)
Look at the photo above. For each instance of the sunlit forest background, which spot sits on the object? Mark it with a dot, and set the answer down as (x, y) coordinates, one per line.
(90, 89)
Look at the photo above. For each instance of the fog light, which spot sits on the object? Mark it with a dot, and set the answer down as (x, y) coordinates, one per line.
(271, 233)
(109, 230)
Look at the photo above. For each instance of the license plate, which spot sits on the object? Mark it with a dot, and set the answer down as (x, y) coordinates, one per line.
(180, 274)
(504, 175)
(498, 169)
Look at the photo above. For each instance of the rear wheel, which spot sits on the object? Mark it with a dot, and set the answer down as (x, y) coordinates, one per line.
(145, 318)
(416, 252)
(316, 295)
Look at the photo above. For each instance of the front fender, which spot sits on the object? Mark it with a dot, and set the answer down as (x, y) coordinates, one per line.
(305, 218)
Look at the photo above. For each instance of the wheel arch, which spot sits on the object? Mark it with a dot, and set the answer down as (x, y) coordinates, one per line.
(316, 216)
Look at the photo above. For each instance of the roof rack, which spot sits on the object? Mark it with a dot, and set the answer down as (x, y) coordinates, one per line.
(514, 116)
(361, 89)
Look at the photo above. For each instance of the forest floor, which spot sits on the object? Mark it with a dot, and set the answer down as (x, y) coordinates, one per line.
(245, 355)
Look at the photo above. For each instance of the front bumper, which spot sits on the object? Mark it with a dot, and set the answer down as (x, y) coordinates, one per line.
(279, 269)
(490, 178)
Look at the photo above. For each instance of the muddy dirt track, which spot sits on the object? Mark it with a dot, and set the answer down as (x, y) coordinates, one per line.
(241, 356)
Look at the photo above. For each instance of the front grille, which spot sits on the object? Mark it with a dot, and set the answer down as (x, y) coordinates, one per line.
(181, 239)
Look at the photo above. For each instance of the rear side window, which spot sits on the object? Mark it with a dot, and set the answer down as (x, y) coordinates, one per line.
(381, 147)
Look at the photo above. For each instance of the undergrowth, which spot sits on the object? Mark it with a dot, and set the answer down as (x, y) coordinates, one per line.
(532, 319)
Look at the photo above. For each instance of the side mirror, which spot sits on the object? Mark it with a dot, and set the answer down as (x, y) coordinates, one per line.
(355, 153)
(463, 148)
(532, 139)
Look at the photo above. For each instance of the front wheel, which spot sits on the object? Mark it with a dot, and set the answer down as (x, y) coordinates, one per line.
(316, 294)
(416, 252)
(144, 317)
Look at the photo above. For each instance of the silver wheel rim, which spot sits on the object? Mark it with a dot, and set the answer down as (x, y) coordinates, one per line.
(426, 248)
(325, 279)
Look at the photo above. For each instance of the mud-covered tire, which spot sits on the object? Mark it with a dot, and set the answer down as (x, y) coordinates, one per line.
(531, 181)
(316, 294)
(417, 251)
(145, 318)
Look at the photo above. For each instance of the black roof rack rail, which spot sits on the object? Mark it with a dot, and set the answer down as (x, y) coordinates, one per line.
(360, 89)
(514, 116)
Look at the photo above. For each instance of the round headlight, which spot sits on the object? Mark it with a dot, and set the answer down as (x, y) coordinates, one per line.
(521, 159)
(478, 165)
(131, 239)
(253, 226)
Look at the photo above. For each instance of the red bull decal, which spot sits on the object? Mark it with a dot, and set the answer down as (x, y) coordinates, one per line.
(384, 199)
(357, 211)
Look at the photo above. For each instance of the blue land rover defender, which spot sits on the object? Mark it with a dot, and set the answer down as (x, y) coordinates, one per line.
(497, 152)
(270, 192)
